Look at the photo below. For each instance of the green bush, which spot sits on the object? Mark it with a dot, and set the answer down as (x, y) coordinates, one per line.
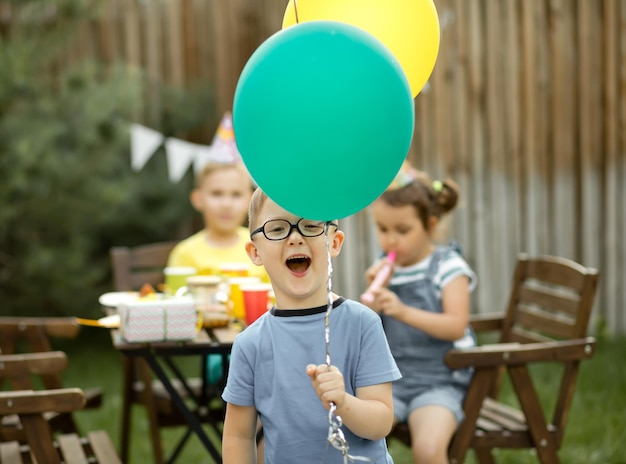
(67, 192)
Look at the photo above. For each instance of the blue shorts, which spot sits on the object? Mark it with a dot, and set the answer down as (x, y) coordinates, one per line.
(448, 396)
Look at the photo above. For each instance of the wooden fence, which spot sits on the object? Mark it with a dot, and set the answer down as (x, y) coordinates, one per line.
(526, 110)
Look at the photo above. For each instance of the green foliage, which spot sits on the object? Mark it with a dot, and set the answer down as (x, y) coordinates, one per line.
(67, 192)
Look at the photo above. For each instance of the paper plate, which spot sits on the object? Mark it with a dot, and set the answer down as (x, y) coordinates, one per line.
(114, 299)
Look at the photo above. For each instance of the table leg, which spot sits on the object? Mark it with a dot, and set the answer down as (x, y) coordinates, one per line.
(194, 424)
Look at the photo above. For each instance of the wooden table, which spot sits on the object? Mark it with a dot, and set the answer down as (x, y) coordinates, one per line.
(160, 357)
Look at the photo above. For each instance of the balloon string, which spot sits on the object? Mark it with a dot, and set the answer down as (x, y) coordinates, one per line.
(330, 296)
(295, 8)
(335, 434)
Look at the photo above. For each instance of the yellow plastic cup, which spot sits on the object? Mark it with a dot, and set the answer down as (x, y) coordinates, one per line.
(236, 296)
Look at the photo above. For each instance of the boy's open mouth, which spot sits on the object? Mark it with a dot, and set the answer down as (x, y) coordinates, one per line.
(299, 263)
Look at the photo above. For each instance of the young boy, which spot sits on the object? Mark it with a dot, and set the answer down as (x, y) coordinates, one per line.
(277, 369)
(222, 195)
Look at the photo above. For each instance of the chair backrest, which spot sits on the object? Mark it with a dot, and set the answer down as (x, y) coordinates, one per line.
(35, 333)
(551, 299)
(19, 370)
(136, 266)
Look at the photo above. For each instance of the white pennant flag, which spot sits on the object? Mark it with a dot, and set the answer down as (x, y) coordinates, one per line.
(203, 156)
(180, 155)
(143, 143)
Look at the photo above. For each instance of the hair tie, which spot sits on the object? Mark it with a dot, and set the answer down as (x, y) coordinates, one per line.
(437, 186)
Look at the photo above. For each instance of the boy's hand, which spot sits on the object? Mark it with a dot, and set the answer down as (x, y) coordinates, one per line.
(328, 384)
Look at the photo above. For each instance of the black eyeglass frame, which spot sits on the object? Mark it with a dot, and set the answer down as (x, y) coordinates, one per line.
(291, 228)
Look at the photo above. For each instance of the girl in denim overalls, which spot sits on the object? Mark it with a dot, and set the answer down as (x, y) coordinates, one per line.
(424, 308)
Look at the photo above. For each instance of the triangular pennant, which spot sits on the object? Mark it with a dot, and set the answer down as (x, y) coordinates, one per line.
(143, 143)
(180, 155)
(203, 156)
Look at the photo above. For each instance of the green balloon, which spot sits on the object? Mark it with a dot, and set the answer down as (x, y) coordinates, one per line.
(323, 117)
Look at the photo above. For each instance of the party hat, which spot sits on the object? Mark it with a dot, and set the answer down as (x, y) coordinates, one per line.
(223, 149)
(404, 177)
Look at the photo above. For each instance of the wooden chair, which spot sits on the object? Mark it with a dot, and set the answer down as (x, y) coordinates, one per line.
(546, 321)
(132, 268)
(33, 410)
(32, 335)
(143, 264)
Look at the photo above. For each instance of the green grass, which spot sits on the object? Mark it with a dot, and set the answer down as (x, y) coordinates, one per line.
(596, 432)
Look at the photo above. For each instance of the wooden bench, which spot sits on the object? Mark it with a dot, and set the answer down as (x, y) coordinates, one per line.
(41, 447)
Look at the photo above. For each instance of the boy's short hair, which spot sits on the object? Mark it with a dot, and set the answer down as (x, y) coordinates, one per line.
(256, 203)
(214, 166)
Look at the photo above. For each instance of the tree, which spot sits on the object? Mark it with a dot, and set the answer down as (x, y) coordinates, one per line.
(66, 189)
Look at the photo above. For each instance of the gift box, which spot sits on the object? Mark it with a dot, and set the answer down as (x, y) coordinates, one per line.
(161, 320)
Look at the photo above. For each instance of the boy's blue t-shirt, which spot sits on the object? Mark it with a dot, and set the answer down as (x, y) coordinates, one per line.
(268, 371)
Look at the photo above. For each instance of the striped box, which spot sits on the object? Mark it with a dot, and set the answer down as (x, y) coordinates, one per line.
(161, 320)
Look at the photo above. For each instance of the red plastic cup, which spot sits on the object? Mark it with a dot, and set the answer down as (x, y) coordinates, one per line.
(255, 298)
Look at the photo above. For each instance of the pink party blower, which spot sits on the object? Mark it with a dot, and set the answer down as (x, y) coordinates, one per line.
(379, 280)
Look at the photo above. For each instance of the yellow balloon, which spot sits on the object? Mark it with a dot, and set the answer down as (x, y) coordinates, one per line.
(409, 28)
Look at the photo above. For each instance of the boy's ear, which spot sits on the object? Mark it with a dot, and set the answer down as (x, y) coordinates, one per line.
(253, 253)
(196, 199)
(337, 243)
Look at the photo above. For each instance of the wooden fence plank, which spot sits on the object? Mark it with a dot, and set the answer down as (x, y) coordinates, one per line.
(590, 191)
(479, 201)
(460, 113)
(563, 206)
(527, 180)
(512, 142)
(610, 58)
(620, 172)
(132, 28)
(174, 56)
(496, 200)
(152, 40)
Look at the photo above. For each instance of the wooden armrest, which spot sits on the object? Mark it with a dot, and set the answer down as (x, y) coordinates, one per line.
(486, 322)
(48, 362)
(33, 402)
(513, 353)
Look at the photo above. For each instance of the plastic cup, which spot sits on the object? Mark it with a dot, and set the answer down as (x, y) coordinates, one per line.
(255, 299)
(236, 296)
(176, 277)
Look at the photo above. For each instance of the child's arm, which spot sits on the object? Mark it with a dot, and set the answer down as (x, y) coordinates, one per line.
(239, 437)
(369, 414)
(449, 325)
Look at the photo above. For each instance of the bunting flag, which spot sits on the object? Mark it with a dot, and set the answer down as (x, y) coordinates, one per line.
(144, 142)
(181, 154)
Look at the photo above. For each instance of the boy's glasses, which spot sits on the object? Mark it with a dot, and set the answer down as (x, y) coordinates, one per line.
(280, 229)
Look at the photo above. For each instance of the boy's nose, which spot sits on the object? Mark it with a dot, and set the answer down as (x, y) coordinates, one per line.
(295, 236)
